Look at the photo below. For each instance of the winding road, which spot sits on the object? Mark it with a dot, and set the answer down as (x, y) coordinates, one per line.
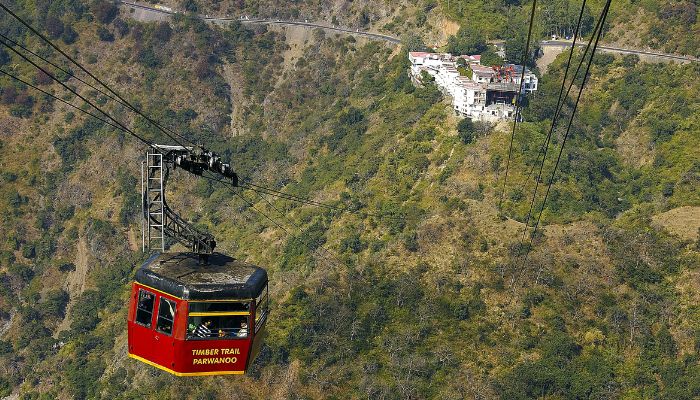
(565, 44)
(260, 21)
(151, 13)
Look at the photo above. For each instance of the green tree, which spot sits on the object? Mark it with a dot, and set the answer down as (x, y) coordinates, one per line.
(466, 130)
(190, 6)
(54, 305)
(69, 35)
(515, 50)
(413, 42)
(468, 40)
(4, 57)
(489, 57)
(104, 34)
(163, 32)
(104, 11)
(54, 27)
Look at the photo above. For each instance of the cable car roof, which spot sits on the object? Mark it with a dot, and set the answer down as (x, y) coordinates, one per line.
(181, 275)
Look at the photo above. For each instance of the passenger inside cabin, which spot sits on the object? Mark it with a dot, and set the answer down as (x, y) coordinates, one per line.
(146, 301)
(243, 331)
(203, 330)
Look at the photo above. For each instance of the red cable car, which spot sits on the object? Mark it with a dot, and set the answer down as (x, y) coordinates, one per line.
(191, 319)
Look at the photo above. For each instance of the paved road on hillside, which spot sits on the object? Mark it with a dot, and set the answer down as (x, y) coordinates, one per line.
(566, 44)
(148, 12)
(261, 21)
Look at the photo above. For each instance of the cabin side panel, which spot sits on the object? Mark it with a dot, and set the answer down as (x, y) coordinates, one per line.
(207, 356)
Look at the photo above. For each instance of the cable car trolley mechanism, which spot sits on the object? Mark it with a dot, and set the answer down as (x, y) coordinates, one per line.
(197, 312)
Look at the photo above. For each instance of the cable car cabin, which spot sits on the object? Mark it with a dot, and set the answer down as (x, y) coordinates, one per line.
(191, 319)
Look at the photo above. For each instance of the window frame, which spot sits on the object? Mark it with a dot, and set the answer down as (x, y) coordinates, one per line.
(173, 303)
(265, 295)
(138, 308)
(218, 314)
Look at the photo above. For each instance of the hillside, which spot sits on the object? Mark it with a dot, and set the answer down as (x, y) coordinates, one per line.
(421, 290)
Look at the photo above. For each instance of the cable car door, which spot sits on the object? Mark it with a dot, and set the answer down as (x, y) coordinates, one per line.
(144, 335)
(163, 350)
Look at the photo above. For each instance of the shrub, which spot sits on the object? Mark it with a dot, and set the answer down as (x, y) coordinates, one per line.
(29, 251)
(668, 188)
(353, 243)
(630, 60)
(121, 26)
(104, 11)
(410, 241)
(465, 130)
(21, 272)
(5, 347)
(5, 387)
(4, 57)
(66, 267)
(42, 78)
(54, 27)
(55, 304)
(104, 34)
(190, 6)
(163, 32)
(69, 35)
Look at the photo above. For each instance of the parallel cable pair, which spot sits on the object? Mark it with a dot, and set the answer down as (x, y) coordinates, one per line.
(327, 252)
(603, 16)
(523, 63)
(123, 101)
(597, 33)
(10, 44)
(560, 104)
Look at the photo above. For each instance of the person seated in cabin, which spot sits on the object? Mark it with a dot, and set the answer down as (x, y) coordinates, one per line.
(146, 301)
(203, 330)
(243, 331)
(222, 333)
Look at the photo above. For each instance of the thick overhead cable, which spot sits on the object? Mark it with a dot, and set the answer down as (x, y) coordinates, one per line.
(266, 216)
(560, 105)
(250, 204)
(517, 99)
(597, 35)
(259, 189)
(18, 79)
(167, 132)
(50, 75)
(288, 196)
(65, 71)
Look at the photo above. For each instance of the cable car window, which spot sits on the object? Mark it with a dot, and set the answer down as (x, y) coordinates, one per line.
(219, 307)
(218, 320)
(166, 316)
(262, 304)
(217, 327)
(144, 309)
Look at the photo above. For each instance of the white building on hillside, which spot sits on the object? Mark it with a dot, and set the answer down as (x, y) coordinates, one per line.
(478, 92)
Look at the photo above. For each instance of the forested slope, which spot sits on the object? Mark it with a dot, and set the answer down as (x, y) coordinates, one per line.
(421, 291)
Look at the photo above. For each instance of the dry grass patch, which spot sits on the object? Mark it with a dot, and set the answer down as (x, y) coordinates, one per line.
(682, 221)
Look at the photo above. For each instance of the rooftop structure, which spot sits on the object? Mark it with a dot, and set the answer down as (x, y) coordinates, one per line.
(181, 275)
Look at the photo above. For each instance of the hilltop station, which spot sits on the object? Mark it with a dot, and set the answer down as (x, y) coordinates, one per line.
(478, 92)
